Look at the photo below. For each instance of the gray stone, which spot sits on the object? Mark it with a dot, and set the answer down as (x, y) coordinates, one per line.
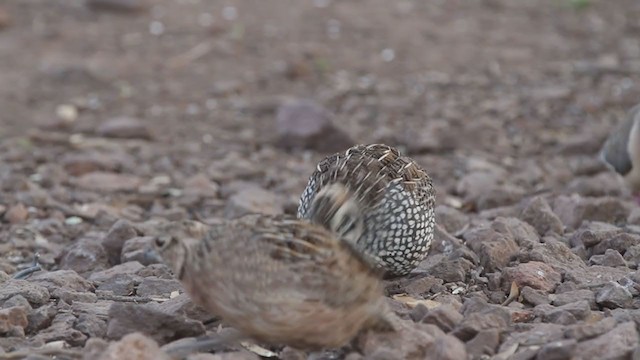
(303, 124)
(124, 318)
(614, 295)
(618, 343)
(538, 213)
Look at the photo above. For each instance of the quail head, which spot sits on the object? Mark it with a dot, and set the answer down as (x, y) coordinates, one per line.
(376, 199)
(621, 151)
(278, 280)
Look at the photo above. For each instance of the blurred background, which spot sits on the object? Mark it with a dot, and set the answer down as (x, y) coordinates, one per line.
(198, 109)
(132, 108)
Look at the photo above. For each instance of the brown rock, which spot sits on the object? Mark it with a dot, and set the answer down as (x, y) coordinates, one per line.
(100, 181)
(493, 317)
(131, 267)
(118, 234)
(494, 249)
(614, 295)
(634, 216)
(619, 243)
(412, 342)
(484, 343)
(11, 318)
(135, 346)
(535, 274)
(124, 318)
(253, 199)
(445, 316)
(154, 287)
(558, 350)
(36, 295)
(84, 256)
(5, 18)
(573, 296)
(91, 325)
(84, 163)
(62, 279)
(595, 276)
(123, 127)
(632, 256)
(303, 124)
(93, 348)
(138, 249)
(120, 284)
(16, 214)
(182, 305)
(585, 331)
(573, 210)
(234, 355)
(200, 186)
(474, 184)
(576, 311)
(557, 255)
(534, 296)
(41, 318)
(123, 6)
(592, 233)
(499, 196)
(618, 343)
(62, 329)
(538, 213)
(536, 333)
(450, 219)
(451, 269)
(523, 233)
(611, 258)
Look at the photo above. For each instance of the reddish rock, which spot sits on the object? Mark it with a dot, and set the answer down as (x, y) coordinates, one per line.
(618, 343)
(124, 318)
(494, 249)
(108, 182)
(118, 234)
(303, 124)
(13, 317)
(84, 256)
(124, 127)
(135, 346)
(16, 214)
(573, 210)
(534, 274)
(538, 213)
(253, 199)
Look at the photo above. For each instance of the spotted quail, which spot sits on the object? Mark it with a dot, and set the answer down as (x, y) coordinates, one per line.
(278, 280)
(376, 199)
(621, 151)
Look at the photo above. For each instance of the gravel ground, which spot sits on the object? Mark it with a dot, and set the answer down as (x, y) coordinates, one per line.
(118, 115)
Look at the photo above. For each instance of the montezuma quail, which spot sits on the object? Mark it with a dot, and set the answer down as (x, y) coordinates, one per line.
(376, 199)
(621, 151)
(278, 280)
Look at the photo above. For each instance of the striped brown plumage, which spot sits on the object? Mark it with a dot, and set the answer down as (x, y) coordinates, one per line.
(278, 279)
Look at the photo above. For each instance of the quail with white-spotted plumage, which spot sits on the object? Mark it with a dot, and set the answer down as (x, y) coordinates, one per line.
(378, 200)
(278, 280)
(621, 151)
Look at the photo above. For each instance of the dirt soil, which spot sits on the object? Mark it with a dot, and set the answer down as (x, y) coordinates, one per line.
(119, 113)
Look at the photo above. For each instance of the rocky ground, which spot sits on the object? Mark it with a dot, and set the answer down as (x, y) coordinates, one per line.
(117, 115)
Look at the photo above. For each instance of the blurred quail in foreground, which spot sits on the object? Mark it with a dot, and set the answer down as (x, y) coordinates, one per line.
(621, 151)
(278, 280)
(376, 199)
